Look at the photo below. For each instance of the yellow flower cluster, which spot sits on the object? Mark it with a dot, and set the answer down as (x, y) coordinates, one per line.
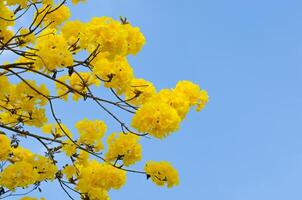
(113, 37)
(27, 38)
(91, 132)
(56, 130)
(72, 31)
(139, 91)
(162, 112)
(78, 82)
(5, 13)
(26, 169)
(176, 100)
(81, 81)
(46, 2)
(116, 73)
(69, 171)
(69, 148)
(52, 19)
(22, 102)
(5, 149)
(135, 39)
(60, 131)
(162, 173)
(156, 118)
(5, 35)
(82, 158)
(54, 48)
(20, 174)
(61, 89)
(52, 52)
(96, 179)
(115, 41)
(124, 147)
(195, 96)
(22, 3)
(20, 154)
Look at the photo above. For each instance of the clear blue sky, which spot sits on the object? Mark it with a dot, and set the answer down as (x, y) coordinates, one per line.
(247, 143)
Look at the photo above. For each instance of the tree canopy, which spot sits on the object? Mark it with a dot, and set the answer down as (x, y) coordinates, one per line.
(71, 61)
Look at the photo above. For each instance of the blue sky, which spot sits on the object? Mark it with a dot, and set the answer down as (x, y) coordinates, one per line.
(247, 143)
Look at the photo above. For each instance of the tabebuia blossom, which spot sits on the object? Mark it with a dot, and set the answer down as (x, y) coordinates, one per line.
(73, 63)
(162, 173)
(125, 147)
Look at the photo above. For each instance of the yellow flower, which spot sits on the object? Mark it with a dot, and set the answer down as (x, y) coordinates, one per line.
(20, 174)
(27, 38)
(69, 148)
(162, 173)
(5, 35)
(124, 147)
(72, 31)
(99, 176)
(47, 128)
(80, 82)
(56, 130)
(156, 118)
(21, 103)
(203, 100)
(53, 19)
(83, 158)
(5, 149)
(44, 167)
(91, 132)
(193, 93)
(53, 52)
(117, 73)
(26, 169)
(69, 171)
(22, 3)
(21, 154)
(62, 90)
(98, 194)
(135, 39)
(6, 13)
(175, 99)
(139, 91)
